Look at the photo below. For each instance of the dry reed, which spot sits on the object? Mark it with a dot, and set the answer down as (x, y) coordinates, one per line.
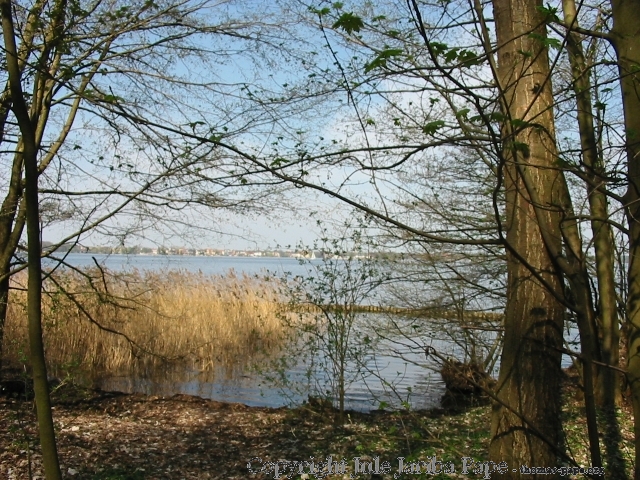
(170, 317)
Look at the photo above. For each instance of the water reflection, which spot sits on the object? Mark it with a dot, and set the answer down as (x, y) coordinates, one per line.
(395, 380)
(397, 370)
(396, 374)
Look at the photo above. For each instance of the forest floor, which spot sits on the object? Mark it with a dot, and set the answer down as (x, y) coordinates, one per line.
(116, 436)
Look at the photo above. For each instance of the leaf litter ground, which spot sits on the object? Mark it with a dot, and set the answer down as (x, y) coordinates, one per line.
(114, 436)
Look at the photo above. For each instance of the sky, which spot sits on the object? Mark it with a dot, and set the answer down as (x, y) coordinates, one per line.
(216, 100)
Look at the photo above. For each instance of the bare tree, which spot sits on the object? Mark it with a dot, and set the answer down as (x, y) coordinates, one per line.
(113, 101)
(29, 157)
(102, 119)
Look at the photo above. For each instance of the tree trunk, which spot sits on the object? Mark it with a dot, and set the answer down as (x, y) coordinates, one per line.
(12, 218)
(608, 389)
(608, 381)
(12, 222)
(4, 302)
(34, 291)
(12, 211)
(526, 420)
(626, 39)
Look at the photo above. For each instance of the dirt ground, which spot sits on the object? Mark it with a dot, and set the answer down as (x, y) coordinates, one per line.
(120, 436)
(115, 436)
(135, 436)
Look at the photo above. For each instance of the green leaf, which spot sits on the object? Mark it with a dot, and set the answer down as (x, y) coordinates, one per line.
(522, 148)
(497, 117)
(451, 55)
(431, 127)
(462, 113)
(546, 41)
(109, 98)
(553, 43)
(349, 23)
(550, 13)
(320, 11)
(518, 123)
(278, 162)
(469, 58)
(438, 47)
(381, 60)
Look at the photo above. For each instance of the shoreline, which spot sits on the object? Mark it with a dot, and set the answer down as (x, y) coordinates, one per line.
(118, 436)
(134, 436)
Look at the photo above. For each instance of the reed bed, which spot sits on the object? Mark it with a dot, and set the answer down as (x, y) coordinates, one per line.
(117, 323)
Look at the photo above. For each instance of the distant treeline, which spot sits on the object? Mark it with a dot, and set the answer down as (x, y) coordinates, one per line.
(298, 253)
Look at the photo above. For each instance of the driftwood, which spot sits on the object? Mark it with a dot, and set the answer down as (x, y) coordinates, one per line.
(465, 378)
(320, 404)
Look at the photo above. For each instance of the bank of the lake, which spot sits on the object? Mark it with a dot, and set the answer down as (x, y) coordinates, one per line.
(159, 435)
(133, 437)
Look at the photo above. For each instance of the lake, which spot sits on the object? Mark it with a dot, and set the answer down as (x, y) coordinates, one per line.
(397, 373)
(206, 265)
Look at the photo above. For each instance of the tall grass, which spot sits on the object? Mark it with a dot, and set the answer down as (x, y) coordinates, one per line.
(121, 323)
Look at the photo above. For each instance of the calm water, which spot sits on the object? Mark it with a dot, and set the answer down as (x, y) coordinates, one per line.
(206, 265)
(397, 371)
